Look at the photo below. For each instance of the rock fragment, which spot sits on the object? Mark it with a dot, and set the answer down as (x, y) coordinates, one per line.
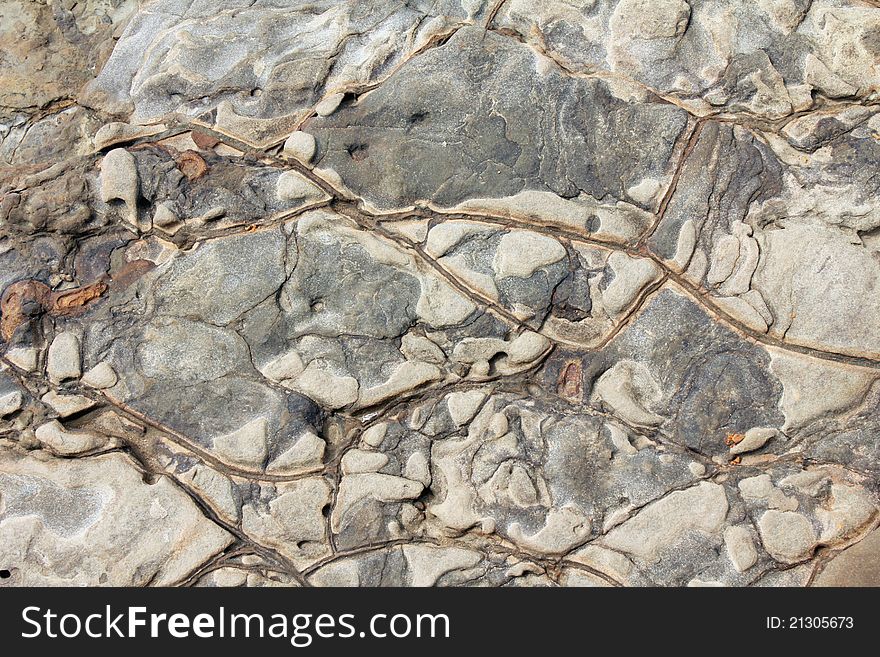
(300, 145)
(100, 377)
(119, 182)
(788, 536)
(64, 360)
(740, 547)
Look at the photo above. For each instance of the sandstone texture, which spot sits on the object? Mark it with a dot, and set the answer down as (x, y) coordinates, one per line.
(447, 293)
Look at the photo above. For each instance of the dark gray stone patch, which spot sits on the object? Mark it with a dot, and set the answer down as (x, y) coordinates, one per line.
(712, 381)
(504, 127)
(725, 173)
(338, 288)
(221, 279)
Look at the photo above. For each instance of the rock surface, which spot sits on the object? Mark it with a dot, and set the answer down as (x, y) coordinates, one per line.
(441, 293)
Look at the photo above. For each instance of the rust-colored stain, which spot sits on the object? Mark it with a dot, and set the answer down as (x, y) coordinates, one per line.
(204, 140)
(191, 165)
(734, 439)
(569, 384)
(69, 302)
(25, 299)
(132, 271)
(736, 461)
(21, 300)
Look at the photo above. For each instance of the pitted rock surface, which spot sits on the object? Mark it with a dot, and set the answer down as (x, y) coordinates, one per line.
(458, 293)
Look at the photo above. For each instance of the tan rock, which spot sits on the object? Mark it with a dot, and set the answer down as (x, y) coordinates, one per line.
(300, 145)
(64, 360)
(661, 524)
(65, 442)
(740, 547)
(788, 536)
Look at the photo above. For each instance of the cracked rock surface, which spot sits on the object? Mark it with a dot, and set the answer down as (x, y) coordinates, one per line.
(510, 293)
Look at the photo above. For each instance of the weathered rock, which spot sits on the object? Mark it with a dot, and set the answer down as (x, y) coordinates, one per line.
(64, 360)
(427, 564)
(300, 145)
(496, 106)
(754, 438)
(101, 376)
(788, 536)
(699, 55)
(439, 293)
(10, 401)
(855, 566)
(740, 547)
(119, 181)
(95, 520)
(259, 91)
(52, 50)
(66, 405)
(67, 443)
(289, 518)
(662, 524)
